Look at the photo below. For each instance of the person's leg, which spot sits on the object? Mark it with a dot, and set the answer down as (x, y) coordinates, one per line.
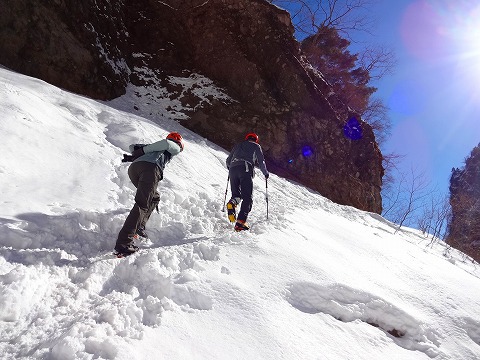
(234, 174)
(145, 177)
(246, 184)
(153, 204)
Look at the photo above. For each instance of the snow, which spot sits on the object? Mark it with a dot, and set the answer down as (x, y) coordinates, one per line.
(315, 280)
(156, 102)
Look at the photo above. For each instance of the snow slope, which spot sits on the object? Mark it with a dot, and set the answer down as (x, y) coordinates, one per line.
(313, 281)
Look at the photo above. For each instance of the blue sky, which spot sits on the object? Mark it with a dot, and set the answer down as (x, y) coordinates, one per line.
(434, 94)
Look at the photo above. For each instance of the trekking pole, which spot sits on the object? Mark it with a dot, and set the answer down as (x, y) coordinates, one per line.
(266, 194)
(226, 190)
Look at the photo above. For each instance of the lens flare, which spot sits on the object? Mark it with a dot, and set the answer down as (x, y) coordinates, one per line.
(307, 151)
(353, 129)
(445, 32)
(422, 31)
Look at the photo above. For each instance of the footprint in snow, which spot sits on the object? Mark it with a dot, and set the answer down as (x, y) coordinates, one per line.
(347, 304)
(473, 329)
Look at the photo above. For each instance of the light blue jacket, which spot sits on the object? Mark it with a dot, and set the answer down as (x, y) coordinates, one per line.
(159, 152)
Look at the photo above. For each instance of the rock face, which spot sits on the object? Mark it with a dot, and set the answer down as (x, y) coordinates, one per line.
(464, 227)
(103, 48)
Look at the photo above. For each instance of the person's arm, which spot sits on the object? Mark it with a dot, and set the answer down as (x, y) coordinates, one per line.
(261, 162)
(163, 145)
(134, 147)
(230, 156)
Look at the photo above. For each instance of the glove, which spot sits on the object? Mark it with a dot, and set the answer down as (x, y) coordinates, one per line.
(127, 158)
(137, 153)
(266, 176)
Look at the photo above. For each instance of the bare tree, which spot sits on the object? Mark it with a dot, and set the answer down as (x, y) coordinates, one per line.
(376, 114)
(416, 192)
(390, 162)
(344, 15)
(378, 60)
(407, 198)
(435, 218)
(392, 196)
(347, 17)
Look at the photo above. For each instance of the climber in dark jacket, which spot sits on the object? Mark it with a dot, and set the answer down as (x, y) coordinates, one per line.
(240, 164)
(146, 170)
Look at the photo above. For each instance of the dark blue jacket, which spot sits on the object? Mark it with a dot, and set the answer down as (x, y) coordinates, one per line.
(247, 153)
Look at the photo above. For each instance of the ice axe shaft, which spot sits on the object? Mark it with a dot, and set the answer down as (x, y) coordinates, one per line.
(266, 194)
(226, 191)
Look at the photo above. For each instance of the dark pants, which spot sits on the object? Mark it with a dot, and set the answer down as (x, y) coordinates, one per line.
(145, 176)
(241, 184)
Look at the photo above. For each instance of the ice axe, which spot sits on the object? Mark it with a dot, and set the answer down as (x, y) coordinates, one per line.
(266, 194)
(226, 190)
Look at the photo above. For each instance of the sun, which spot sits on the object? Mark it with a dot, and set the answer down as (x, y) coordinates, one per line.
(461, 29)
(466, 33)
(433, 30)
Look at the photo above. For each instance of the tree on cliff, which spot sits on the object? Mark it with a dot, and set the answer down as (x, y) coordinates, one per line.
(330, 25)
(346, 16)
(329, 53)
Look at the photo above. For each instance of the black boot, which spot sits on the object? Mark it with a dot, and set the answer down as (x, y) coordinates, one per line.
(122, 250)
(125, 250)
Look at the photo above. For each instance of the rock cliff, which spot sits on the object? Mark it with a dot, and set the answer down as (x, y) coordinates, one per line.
(464, 227)
(170, 49)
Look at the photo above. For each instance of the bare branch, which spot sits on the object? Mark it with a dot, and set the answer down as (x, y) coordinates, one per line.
(376, 114)
(378, 61)
(344, 15)
(416, 191)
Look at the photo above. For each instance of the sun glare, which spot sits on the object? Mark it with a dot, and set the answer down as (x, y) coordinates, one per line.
(445, 32)
(466, 30)
(462, 31)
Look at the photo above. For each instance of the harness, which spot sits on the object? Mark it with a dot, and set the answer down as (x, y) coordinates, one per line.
(238, 162)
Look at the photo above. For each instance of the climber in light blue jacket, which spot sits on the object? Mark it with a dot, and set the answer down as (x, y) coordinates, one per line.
(146, 170)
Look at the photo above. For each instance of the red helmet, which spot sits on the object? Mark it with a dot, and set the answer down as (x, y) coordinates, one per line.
(174, 136)
(252, 136)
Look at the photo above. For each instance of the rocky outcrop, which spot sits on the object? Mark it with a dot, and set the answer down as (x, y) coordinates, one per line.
(246, 47)
(464, 227)
(67, 43)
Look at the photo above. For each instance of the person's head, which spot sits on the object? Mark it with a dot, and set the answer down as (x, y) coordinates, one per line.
(176, 137)
(252, 137)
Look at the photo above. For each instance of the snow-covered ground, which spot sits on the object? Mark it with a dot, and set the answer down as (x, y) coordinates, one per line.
(313, 281)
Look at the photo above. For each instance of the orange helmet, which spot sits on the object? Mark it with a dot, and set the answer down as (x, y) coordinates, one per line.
(252, 136)
(175, 136)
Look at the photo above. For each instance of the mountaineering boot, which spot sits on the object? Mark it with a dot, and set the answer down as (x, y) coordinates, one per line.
(232, 214)
(133, 237)
(241, 225)
(142, 233)
(125, 250)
